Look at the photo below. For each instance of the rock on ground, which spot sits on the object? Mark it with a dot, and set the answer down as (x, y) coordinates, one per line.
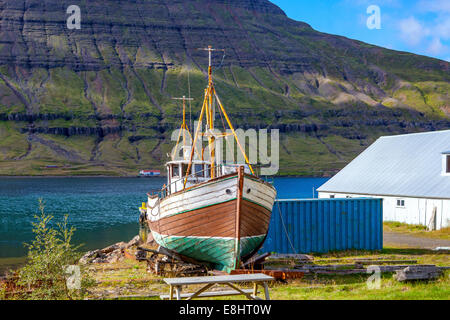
(111, 254)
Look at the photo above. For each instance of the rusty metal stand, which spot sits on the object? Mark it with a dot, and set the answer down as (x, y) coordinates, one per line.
(163, 262)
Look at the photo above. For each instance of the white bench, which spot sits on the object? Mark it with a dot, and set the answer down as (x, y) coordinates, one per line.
(208, 282)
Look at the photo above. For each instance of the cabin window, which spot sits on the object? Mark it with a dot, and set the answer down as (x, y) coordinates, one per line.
(175, 171)
(400, 203)
(199, 171)
(208, 171)
(184, 169)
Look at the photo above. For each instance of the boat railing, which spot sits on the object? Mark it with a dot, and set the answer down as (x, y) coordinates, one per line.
(196, 177)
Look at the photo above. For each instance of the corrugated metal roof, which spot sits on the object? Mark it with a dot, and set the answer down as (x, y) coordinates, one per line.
(405, 165)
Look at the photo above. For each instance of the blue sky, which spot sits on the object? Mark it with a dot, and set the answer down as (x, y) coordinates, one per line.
(418, 26)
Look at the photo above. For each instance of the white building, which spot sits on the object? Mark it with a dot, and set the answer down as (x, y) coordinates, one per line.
(410, 172)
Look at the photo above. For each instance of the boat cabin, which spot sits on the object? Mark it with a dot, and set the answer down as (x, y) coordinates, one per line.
(200, 172)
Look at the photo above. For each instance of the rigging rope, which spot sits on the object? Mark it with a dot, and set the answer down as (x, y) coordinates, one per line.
(285, 229)
(190, 106)
(223, 59)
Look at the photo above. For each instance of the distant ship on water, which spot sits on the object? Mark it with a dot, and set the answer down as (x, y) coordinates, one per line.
(149, 173)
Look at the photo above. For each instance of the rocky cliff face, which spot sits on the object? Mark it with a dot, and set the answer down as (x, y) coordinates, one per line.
(103, 93)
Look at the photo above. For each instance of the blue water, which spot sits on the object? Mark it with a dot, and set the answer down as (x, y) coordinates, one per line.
(104, 210)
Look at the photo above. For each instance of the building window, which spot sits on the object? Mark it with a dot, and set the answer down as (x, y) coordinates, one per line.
(400, 203)
(332, 196)
(448, 163)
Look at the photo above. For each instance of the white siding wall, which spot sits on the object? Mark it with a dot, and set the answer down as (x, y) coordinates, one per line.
(416, 210)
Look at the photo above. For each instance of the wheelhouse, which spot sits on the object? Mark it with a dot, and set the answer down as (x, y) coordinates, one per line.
(200, 172)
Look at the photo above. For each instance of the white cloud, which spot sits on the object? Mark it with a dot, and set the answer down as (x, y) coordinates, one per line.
(436, 47)
(442, 28)
(412, 31)
(430, 36)
(438, 6)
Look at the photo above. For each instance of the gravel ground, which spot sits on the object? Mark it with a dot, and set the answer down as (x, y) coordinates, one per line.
(406, 240)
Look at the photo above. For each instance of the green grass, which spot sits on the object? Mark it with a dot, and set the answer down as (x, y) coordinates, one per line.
(128, 277)
(357, 289)
(417, 230)
(13, 144)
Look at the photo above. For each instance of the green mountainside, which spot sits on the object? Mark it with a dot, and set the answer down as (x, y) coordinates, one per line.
(98, 100)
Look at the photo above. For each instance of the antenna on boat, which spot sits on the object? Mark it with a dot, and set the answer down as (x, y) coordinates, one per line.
(184, 126)
(208, 110)
(210, 51)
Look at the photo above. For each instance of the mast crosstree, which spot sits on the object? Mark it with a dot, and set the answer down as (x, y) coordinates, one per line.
(184, 128)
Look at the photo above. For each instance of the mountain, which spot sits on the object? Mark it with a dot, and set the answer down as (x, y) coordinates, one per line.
(98, 100)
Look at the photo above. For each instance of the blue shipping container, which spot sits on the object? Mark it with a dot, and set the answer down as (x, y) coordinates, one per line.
(324, 225)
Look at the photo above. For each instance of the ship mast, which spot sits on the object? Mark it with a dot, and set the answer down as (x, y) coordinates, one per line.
(211, 112)
(184, 127)
(208, 109)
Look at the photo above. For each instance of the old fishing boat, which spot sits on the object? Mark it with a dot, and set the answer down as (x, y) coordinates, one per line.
(210, 211)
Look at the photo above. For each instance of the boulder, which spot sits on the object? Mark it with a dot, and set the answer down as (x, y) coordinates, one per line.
(114, 247)
(89, 257)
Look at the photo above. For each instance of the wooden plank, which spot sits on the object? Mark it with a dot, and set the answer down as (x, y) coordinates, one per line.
(218, 279)
(383, 269)
(418, 273)
(178, 292)
(248, 295)
(256, 260)
(266, 290)
(199, 292)
(277, 274)
(211, 294)
(328, 267)
(378, 262)
(292, 256)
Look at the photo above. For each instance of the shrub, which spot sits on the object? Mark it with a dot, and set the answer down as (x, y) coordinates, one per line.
(45, 277)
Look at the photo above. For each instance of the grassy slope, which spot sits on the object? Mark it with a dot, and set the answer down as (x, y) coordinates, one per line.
(250, 98)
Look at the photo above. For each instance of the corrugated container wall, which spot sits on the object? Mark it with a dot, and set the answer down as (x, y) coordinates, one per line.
(324, 225)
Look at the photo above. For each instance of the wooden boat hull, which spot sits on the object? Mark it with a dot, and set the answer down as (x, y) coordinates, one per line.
(221, 221)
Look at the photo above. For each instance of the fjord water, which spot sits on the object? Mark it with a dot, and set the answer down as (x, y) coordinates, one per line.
(104, 210)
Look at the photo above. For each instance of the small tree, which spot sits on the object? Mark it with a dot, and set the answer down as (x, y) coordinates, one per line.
(49, 254)
(2, 291)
